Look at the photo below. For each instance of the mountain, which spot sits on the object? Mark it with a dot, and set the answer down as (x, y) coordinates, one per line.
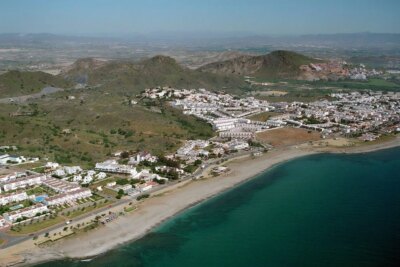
(16, 83)
(277, 64)
(135, 76)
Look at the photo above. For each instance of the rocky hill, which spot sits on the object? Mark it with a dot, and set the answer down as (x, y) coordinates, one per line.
(277, 64)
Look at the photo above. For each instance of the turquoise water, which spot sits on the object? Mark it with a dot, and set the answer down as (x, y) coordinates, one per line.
(321, 210)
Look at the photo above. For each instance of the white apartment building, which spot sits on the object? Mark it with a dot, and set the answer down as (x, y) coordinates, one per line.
(236, 134)
(60, 186)
(28, 212)
(113, 167)
(12, 197)
(23, 182)
(68, 197)
(223, 124)
(8, 177)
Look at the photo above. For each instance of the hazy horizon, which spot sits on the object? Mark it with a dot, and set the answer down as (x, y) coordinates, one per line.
(236, 17)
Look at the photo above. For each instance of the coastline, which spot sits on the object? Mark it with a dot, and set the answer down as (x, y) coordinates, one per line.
(164, 205)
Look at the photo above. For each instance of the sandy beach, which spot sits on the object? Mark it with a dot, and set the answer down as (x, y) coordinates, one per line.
(163, 205)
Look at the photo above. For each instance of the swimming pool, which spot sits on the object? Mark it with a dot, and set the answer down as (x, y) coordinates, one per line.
(40, 198)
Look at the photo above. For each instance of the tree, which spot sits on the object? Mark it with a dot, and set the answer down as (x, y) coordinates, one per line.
(124, 155)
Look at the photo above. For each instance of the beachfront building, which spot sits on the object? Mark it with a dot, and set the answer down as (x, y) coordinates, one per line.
(23, 182)
(12, 197)
(69, 197)
(237, 145)
(146, 186)
(193, 148)
(113, 167)
(28, 212)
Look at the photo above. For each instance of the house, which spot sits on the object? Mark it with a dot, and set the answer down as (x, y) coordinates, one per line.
(59, 173)
(11, 159)
(28, 212)
(87, 179)
(77, 178)
(52, 165)
(111, 184)
(72, 170)
(146, 175)
(146, 186)
(101, 175)
(124, 188)
(142, 156)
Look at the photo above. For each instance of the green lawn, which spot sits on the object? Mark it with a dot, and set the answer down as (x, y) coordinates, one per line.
(87, 209)
(37, 226)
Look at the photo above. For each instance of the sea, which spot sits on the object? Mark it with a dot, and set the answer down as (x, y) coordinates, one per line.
(319, 210)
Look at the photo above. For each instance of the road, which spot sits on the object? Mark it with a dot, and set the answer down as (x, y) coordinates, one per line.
(12, 240)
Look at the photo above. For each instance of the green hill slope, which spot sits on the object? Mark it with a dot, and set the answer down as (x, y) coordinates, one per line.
(16, 83)
(156, 71)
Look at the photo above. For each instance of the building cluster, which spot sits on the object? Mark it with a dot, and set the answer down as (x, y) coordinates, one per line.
(360, 72)
(363, 114)
(7, 159)
(335, 70)
(226, 113)
(14, 188)
(366, 115)
(73, 174)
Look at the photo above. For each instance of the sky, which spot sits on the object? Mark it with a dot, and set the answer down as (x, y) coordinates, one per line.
(274, 17)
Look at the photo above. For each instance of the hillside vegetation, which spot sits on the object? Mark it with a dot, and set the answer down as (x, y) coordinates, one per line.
(133, 77)
(95, 124)
(17, 83)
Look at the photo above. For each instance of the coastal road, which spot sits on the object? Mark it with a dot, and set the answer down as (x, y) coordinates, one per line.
(12, 240)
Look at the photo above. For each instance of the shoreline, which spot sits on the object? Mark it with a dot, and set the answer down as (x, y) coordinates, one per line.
(166, 204)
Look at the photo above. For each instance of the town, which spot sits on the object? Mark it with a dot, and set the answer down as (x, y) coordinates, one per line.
(55, 191)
